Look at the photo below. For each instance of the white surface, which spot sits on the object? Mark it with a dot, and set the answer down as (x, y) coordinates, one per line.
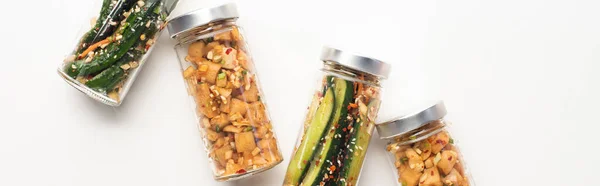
(519, 78)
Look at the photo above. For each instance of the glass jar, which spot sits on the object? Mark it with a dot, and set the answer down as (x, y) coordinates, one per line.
(229, 104)
(108, 56)
(422, 151)
(339, 122)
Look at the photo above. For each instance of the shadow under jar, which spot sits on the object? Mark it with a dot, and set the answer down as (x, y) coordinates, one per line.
(230, 108)
(422, 151)
(340, 120)
(108, 56)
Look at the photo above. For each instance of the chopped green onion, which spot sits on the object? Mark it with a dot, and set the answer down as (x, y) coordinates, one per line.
(403, 159)
(244, 72)
(217, 128)
(412, 137)
(451, 141)
(157, 10)
(248, 129)
(221, 75)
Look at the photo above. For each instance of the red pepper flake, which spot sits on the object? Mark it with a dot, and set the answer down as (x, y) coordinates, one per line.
(432, 173)
(344, 129)
(241, 171)
(449, 158)
(426, 151)
(352, 105)
(332, 168)
(304, 161)
(317, 162)
(330, 176)
(228, 51)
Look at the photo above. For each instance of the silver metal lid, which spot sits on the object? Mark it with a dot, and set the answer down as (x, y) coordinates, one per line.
(404, 124)
(201, 17)
(357, 62)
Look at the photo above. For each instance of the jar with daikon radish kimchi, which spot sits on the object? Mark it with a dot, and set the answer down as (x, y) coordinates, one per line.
(422, 151)
(219, 74)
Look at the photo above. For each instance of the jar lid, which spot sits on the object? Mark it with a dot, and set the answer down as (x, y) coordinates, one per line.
(357, 62)
(201, 17)
(404, 124)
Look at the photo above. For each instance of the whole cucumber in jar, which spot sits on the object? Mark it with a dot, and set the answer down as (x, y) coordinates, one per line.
(106, 80)
(127, 35)
(107, 6)
(110, 22)
(126, 62)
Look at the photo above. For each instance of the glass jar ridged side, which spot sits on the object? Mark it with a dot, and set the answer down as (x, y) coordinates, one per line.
(220, 77)
(339, 122)
(110, 54)
(427, 154)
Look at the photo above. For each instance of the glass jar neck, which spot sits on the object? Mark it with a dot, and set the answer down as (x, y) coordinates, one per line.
(351, 74)
(201, 32)
(421, 133)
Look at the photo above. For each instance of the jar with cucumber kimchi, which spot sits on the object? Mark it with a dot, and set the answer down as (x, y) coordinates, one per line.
(230, 106)
(422, 151)
(340, 120)
(110, 53)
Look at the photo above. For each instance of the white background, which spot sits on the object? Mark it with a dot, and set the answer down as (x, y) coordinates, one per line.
(519, 79)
